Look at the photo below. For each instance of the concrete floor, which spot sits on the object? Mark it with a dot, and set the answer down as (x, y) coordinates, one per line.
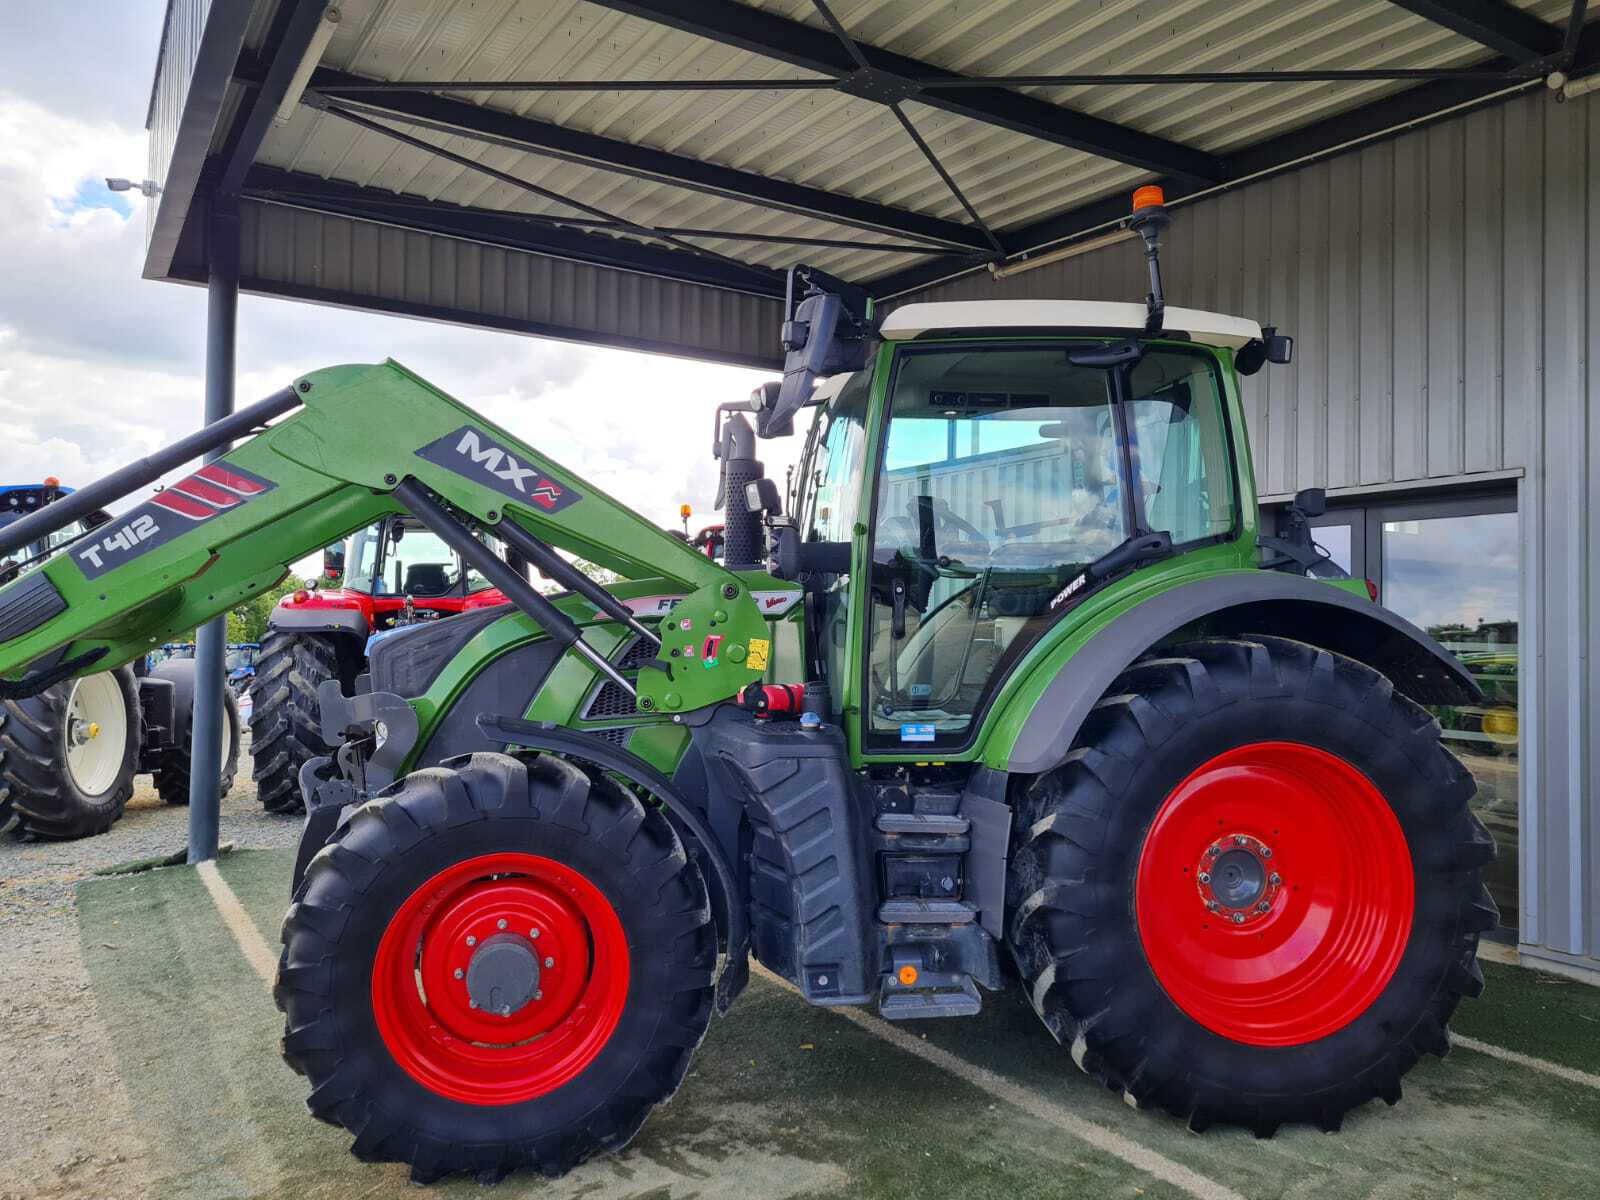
(789, 1101)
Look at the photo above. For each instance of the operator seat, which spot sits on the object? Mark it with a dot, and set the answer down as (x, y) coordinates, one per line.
(427, 579)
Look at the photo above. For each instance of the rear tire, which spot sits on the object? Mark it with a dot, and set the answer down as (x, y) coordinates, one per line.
(62, 782)
(481, 847)
(1298, 982)
(285, 721)
(172, 773)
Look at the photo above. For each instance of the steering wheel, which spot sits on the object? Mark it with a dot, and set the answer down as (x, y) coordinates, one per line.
(944, 517)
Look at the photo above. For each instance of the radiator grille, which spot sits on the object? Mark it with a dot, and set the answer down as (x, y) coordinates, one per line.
(609, 700)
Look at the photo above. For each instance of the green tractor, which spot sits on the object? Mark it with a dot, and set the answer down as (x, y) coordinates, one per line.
(1012, 673)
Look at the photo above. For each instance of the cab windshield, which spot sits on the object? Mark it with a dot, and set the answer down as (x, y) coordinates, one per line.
(402, 557)
(1006, 472)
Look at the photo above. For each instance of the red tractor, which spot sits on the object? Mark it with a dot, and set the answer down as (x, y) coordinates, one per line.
(391, 574)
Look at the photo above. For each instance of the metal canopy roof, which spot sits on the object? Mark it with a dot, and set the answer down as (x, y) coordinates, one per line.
(713, 143)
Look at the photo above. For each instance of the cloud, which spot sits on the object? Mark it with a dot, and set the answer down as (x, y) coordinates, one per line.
(98, 366)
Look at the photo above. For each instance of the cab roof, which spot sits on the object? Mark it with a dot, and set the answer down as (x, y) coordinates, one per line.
(1085, 316)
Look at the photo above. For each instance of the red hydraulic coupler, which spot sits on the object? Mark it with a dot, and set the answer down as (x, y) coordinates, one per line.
(773, 699)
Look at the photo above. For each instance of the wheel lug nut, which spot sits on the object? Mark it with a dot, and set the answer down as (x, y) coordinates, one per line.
(1238, 839)
(1213, 906)
(538, 995)
(1238, 918)
(472, 1003)
(471, 941)
(459, 973)
(1205, 876)
(501, 923)
(505, 1010)
(534, 932)
(549, 962)
(1266, 852)
(1275, 879)
(1264, 906)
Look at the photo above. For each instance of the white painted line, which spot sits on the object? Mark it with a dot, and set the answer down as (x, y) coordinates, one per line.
(1570, 1074)
(1108, 1141)
(255, 948)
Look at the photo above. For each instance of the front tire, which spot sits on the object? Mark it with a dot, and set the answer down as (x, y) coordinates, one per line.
(68, 755)
(285, 716)
(1251, 893)
(547, 1048)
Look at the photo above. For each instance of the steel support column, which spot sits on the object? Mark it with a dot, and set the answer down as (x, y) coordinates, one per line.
(210, 640)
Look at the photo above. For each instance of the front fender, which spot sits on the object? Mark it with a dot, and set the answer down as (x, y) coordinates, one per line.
(1289, 606)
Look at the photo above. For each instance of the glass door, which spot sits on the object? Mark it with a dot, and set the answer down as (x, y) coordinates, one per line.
(1453, 567)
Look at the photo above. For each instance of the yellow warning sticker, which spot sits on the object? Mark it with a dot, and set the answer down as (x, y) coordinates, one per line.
(759, 649)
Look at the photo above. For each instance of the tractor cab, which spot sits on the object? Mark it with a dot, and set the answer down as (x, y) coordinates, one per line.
(994, 466)
(394, 570)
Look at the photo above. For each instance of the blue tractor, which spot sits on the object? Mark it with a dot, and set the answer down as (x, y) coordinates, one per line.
(68, 755)
(241, 665)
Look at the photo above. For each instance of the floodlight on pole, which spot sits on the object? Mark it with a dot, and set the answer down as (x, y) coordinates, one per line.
(146, 187)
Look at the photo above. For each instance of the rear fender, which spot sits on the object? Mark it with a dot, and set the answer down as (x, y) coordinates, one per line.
(320, 620)
(1273, 603)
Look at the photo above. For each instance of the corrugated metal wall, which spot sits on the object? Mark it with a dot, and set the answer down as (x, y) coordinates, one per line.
(335, 259)
(1442, 291)
(180, 46)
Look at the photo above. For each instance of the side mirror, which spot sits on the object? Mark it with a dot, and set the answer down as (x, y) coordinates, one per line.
(825, 331)
(1312, 502)
(761, 495)
(333, 560)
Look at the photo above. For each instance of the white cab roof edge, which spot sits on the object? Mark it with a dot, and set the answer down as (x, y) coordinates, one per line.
(998, 316)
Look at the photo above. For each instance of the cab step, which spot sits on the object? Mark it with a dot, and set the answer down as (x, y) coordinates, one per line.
(921, 823)
(896, 1003)
(917, 911)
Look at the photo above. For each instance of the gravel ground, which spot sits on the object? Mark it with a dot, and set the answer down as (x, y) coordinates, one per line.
(68, 1130)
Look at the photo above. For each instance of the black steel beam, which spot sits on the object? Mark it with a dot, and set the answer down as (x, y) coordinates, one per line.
(814, 49)
(1575, 17)
(312, 192)
(580, 85)
(294, 27)
(501, 128)
(1071, 79)
(1493, 23)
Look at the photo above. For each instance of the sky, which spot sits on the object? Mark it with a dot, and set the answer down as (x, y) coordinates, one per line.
(98, 366)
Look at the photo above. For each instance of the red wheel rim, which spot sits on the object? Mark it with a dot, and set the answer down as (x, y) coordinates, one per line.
(1307, 904)
(575, 970)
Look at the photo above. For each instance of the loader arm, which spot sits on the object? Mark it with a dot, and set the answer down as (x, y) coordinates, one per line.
(362, 442)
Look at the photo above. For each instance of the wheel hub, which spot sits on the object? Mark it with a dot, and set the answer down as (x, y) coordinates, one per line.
(503, 975)
(1237, 878)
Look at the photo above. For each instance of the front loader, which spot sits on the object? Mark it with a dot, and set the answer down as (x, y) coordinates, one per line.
(1021, 678)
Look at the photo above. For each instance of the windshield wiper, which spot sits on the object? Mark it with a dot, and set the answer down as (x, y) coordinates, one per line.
(1138, 549)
